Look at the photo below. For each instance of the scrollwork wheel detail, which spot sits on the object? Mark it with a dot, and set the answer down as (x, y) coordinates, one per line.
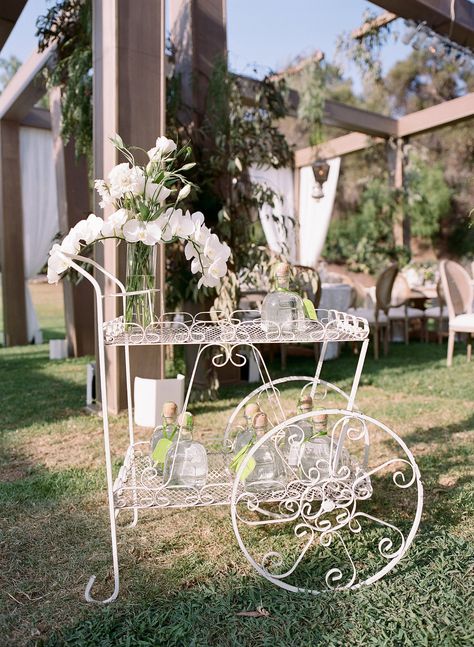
(345, 522)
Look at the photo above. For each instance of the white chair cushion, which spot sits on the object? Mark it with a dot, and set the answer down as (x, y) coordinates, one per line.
(435, 313)
(411, 313)
(367, 313)
(462, 323)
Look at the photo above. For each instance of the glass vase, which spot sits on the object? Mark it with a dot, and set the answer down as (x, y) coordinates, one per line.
(141, 279)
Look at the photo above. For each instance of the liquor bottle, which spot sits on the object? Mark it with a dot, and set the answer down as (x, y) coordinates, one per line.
(282, 306)
(296, 434)
(186, 459)
(163, 435)
(268, 470)
(316, 453)
(246, 436)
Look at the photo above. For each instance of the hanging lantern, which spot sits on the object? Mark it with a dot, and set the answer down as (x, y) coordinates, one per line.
(320, 172)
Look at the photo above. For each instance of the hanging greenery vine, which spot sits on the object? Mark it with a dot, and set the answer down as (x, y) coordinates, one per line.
(68, 25)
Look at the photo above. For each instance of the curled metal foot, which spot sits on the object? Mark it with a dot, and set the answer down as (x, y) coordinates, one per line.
(134, 521)
(89, 586)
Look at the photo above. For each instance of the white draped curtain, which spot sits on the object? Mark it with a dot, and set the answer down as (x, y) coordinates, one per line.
(315, 215)
(277, 221)
(40, 210)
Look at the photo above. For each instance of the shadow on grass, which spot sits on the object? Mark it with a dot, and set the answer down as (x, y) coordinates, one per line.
(37, 390)
(207, 614)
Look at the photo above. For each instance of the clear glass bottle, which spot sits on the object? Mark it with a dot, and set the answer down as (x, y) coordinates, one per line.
(296, 434)
(282, 306)
(163, 435)
(316, 453)
(268, 471)
(186, 459)
(246, 435)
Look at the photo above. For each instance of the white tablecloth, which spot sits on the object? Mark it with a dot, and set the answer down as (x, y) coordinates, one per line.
(335, 296)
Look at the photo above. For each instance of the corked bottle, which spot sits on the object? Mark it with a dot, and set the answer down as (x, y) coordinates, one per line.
(282, 306)
(186, 459)
(163, 435)
(269, 471)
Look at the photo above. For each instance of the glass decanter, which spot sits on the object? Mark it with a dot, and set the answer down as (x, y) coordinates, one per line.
(246, 436)
(316, 452)
(186, 459)
(268, 469)
(295, 435)
(282, 306)
(163, 435)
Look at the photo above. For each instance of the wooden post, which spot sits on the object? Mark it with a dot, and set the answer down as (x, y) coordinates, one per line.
(395, 163)
(11, 236)
(129, 99)
(72, 184)
(198, 31)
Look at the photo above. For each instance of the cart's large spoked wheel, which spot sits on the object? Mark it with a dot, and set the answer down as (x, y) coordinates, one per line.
(327, 513)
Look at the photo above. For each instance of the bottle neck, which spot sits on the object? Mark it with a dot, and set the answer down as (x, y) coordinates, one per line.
(186, 433)
(282, 283)
(169, 426)
(260, 431)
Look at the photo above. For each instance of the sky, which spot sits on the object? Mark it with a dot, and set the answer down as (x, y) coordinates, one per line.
(261, 34)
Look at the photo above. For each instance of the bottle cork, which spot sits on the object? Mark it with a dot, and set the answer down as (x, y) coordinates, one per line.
(186, 420)
(320, 419)
(251, 409)
(169, 410)
(260, 420)
(282, 270)
(305, 403)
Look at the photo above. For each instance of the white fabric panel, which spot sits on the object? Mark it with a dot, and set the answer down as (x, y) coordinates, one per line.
(40, 210)
(315, 215)
(280, 235)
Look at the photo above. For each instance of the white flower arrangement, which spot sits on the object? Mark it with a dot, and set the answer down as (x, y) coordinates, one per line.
(139, 195)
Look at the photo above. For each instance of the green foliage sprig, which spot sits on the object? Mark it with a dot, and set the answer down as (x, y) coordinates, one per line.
(68, 25)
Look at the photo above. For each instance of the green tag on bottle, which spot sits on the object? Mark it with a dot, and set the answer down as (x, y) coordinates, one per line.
(309, 311)
(237, 461)
(160, 451)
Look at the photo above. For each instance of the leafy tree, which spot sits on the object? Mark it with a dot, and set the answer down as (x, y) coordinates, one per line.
(8, 69)
(68, 24)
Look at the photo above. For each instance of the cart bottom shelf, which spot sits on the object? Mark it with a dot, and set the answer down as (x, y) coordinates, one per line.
(139, 486)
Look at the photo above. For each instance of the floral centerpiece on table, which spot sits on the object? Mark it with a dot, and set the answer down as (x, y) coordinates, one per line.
(145, 201)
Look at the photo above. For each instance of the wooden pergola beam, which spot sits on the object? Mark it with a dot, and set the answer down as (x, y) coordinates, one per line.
(26, 87)
(443, 114)
(10, 11)
(437, 15)
(356, 119)
(380, 21)
(37, 118)
(336, 147)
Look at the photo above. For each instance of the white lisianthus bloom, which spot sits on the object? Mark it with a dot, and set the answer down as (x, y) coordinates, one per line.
(125, 179)
(88, 230)
(136, 231)
(181, 226)
(114, 223)
(163, 146)
(185, 191)
(103, 190)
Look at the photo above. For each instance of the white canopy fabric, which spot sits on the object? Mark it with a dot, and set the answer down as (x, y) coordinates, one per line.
(315, 215)
(278, 228)
(40, 209)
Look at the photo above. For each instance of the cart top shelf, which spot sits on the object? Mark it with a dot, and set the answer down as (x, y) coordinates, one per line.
(242, 326)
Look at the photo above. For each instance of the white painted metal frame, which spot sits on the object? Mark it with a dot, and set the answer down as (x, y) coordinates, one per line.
(139, 486)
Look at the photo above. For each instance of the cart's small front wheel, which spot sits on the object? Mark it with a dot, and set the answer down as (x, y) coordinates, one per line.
(326, 512)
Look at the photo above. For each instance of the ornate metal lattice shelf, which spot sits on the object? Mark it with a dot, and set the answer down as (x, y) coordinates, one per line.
(138, 485)
(242, 326)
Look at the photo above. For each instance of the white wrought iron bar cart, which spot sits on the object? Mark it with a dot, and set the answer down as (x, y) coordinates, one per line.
(323, 510)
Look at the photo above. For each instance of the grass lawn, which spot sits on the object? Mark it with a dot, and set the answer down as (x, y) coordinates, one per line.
(184, 579)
